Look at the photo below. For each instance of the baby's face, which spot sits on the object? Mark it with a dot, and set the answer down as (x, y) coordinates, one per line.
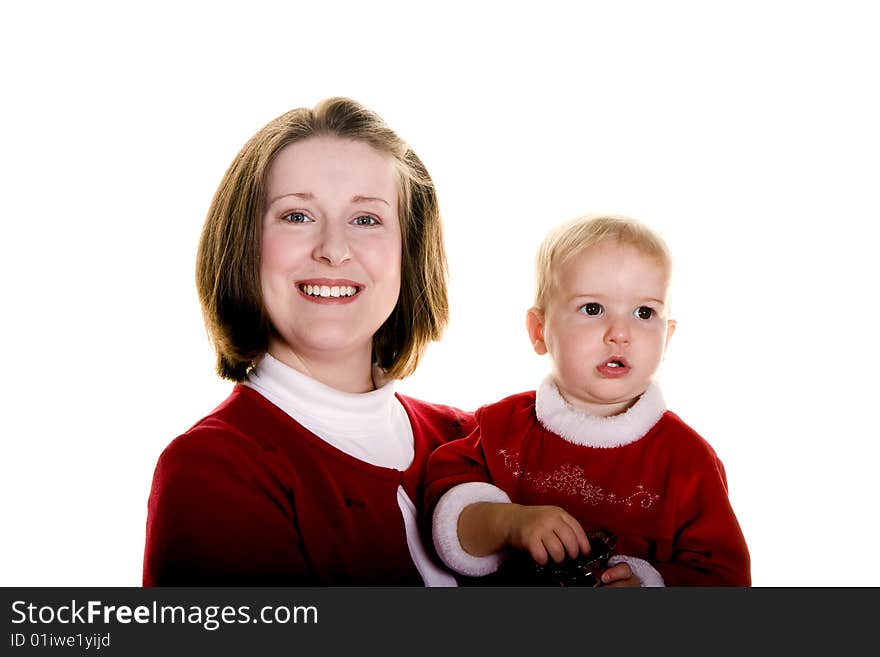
(605, 327)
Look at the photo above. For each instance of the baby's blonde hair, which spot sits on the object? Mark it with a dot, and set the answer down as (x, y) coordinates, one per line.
(572, 237)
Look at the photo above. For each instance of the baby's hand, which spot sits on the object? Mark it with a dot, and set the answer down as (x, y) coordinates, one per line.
(546, 531)
(619, 575)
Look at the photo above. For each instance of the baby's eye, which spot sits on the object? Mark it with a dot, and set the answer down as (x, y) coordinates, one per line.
(296, 217)
(644, 312)
(593, 309)
(365, 220)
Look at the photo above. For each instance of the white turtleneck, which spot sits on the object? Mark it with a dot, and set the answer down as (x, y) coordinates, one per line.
(372, 427)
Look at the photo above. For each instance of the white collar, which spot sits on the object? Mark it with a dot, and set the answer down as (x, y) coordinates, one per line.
(320, 408)
(577, 427)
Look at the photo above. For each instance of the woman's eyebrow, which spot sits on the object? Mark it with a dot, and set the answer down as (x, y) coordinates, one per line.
(373, 199)
(308, 196)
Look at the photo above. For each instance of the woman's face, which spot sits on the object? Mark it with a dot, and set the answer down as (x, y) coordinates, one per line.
(331, 249)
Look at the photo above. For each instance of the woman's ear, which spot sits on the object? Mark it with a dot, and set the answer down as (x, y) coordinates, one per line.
(535, 327)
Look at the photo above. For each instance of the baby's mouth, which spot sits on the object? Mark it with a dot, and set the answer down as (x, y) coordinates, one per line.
(614, 367)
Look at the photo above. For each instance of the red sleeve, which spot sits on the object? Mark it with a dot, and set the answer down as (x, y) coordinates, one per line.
(218, 516)
(453, 463)
(709, 548)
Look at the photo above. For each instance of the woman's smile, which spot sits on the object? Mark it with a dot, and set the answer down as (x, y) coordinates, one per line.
(329, 290)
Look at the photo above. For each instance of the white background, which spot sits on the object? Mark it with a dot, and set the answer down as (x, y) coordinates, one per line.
(745, 132)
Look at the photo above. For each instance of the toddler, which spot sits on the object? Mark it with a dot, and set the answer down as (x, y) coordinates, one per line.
(594, 447)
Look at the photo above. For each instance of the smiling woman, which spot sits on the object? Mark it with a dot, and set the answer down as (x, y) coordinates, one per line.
(330, 258)
(322, 277)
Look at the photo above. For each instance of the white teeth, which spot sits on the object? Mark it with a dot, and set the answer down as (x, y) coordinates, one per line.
(326, 291)
(614, 363)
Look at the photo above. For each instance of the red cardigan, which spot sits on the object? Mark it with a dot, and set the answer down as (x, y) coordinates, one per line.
(248, 496)
(663, 495)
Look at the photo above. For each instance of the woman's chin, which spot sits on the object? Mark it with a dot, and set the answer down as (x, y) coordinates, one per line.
(325, 342)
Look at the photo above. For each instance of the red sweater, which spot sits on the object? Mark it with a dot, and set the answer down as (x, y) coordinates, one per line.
(664, 495)
(248, 496)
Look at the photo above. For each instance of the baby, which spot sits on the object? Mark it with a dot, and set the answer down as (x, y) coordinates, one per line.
(594, 446)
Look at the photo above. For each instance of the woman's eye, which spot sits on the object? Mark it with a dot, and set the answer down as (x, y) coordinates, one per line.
(365, 220)
(296, 217)
(644, 312)
(592, 309)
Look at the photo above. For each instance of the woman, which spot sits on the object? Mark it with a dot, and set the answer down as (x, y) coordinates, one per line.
(322, 277)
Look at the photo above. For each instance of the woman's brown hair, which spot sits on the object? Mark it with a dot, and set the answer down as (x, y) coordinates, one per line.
(227, 264)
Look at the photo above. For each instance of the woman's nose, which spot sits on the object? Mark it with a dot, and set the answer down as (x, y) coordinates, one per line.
(332, 246)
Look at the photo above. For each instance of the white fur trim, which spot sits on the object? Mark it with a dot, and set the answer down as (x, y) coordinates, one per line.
(445, 527)
(576, 427)
(647, 574)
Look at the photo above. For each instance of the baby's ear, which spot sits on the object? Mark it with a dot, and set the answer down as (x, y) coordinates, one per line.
(535, 327)
(670, 329)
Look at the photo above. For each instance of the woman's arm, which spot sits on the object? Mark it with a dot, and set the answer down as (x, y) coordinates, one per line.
(217, 516)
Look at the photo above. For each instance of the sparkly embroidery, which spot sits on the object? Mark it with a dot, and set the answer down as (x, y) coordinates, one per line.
(511, 462)
(569, 479)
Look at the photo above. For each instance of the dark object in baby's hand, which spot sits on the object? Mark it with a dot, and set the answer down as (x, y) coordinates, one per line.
(520, 569)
